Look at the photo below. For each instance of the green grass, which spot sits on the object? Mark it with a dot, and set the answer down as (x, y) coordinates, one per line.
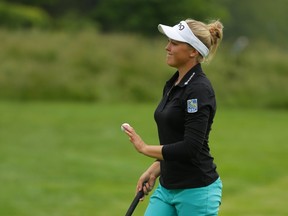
(68, 159)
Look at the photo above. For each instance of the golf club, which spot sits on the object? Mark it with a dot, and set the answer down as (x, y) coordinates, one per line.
(135, 202)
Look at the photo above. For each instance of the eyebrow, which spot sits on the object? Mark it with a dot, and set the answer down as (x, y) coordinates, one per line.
(174, 41)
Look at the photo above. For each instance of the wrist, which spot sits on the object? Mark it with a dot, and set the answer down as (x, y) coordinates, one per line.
(154, 170)
(144, 149)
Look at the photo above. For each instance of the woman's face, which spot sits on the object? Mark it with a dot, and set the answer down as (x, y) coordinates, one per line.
(178, 53)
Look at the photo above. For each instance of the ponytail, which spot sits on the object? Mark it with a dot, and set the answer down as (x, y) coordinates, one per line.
(210, 34)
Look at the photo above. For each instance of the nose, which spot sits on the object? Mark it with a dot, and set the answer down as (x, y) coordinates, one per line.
(168, 46)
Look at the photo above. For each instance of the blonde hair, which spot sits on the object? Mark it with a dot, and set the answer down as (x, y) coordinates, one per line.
(210, 34)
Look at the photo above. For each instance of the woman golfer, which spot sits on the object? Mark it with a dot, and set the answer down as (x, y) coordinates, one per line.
(189, 184)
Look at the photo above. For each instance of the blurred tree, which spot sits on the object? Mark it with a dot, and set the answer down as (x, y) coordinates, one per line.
(254, 19)
(257, 19)
(129, 15)
(59, 8)
(144, 15)
(19, 16)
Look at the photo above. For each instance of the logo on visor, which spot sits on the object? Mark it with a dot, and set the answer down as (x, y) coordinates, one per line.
(181, 26)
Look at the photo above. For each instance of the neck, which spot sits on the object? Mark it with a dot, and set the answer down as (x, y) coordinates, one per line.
(183, 70)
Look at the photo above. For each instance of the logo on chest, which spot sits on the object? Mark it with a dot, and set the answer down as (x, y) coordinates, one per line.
(192, 106)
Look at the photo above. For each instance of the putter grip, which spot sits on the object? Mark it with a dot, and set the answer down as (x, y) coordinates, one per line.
(134, 203)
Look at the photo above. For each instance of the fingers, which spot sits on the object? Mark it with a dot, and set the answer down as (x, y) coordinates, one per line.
(147, 187)
(127, 128)
(134, 138)
(129, 131)
(139, 187)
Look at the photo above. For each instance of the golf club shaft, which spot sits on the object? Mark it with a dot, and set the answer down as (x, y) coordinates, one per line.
(135, 202)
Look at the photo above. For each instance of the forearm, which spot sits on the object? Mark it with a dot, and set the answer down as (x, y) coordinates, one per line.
(152, 151)
(154, 169)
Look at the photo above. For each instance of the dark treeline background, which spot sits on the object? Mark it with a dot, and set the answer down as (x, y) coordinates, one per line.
(255, 19)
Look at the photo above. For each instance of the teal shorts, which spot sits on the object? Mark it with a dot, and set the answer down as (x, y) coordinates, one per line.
(201, 201)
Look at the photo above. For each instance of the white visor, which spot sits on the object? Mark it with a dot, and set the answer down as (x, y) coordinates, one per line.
(181, 32)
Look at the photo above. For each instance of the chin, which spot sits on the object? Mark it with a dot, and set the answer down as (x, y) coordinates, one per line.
(171, 64)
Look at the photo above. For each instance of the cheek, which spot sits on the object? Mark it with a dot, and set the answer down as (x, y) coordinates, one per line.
(171, 60)
(178, 58)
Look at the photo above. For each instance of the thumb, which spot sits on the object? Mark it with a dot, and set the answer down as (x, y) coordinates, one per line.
(139, 186)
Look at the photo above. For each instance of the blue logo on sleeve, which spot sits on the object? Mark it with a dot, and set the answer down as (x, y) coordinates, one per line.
(192, 106)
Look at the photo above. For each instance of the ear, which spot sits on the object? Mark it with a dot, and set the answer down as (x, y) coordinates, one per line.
(193, 53)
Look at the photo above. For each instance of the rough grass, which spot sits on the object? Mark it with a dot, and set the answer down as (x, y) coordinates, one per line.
(72, 159)
(89, 66)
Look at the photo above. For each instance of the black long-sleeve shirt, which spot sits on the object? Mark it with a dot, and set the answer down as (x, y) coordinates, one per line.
(184, 118)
